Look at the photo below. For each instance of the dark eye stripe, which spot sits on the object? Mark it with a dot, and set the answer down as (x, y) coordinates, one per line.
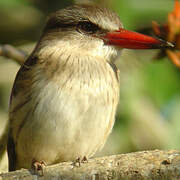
(83, 26)
(87, 27)
(56, 25)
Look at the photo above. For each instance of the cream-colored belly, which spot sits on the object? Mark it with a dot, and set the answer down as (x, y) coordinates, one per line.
(63, 128)
(64, 123)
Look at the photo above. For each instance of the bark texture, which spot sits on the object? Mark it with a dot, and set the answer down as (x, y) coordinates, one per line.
(155, 165)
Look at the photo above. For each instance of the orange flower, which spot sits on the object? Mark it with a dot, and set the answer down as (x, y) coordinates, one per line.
(171, 33)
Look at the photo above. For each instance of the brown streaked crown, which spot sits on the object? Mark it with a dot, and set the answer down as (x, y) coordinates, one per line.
(99, 18)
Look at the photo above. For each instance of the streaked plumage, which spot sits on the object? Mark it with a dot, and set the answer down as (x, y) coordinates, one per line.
(65, 96)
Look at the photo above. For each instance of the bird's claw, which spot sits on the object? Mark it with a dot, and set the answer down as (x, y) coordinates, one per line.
(79, 161)
(38, 167)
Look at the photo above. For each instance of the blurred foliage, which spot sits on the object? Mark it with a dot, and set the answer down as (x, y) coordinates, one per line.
(140, 13)
(148, 113)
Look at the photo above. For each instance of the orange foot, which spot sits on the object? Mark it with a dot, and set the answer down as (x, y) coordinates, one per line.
(38, 167)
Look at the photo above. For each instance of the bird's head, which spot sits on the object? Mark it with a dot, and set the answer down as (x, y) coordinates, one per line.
(91, 30)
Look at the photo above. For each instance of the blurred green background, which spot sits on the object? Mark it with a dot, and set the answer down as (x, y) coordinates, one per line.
(149, 109)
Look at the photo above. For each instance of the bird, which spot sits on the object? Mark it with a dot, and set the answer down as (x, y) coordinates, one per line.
(64, 97)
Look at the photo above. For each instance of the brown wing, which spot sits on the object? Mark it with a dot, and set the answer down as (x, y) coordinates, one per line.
(21, 75)
(115, 69)
(11, 154)
(30, 62)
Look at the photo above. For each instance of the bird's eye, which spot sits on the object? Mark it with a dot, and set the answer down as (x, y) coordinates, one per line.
(87, 27)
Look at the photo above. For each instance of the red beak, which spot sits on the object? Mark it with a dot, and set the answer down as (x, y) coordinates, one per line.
(132, 40)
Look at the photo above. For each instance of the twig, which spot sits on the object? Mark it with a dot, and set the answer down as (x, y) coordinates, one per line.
(13, 53)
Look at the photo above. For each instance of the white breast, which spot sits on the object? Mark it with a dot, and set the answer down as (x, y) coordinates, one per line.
(71, 116)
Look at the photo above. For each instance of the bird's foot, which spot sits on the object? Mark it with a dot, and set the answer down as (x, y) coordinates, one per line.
(84, 159)
(38, 167)
(79, 161)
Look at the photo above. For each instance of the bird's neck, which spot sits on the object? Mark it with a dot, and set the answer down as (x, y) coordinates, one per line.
(72, 70)
(57, 61)
(63, 48)
(64, 59)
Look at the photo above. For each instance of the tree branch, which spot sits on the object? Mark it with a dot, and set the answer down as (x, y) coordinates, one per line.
(157, 165)
(13, 53)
